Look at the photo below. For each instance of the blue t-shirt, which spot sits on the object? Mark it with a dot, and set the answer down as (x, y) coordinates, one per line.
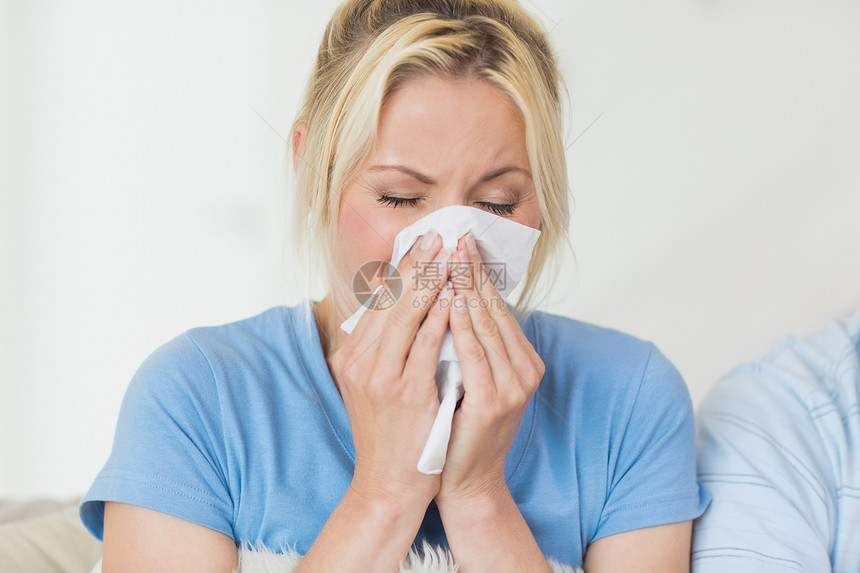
(240, 428)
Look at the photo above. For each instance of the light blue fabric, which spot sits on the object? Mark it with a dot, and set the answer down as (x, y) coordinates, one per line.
(240, 428)
(779, 449)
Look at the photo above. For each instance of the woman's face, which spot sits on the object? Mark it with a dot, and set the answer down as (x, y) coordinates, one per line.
(440, 142)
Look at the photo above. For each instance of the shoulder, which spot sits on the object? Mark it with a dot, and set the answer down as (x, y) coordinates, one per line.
(795, 377)
(776, 438)
(552, 330)
(195, 361)
(555, 335)
(797, 401)
(618, 417)
(789, 418)
(270, 329)
(609, 381)
(591, 353)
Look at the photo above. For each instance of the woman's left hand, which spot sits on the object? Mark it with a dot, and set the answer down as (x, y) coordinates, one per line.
(501, 371)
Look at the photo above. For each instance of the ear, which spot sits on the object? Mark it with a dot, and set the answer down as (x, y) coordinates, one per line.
(299, 137)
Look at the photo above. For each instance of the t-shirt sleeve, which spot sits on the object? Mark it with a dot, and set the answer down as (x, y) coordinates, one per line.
(168, 452)
(652, 468)
(765, 465)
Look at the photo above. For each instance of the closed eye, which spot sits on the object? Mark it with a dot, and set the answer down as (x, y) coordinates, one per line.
(399, 201)
(502, 209)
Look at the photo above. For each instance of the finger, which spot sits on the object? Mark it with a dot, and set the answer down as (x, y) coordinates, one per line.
(524, 360)
(372, 324)
(370, 321)
(370, 328)
(484, 326)
(424, 354)
(403, 319)
(474, 365)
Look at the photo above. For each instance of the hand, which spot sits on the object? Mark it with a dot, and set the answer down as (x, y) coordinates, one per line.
(386, 374)
(501, 371)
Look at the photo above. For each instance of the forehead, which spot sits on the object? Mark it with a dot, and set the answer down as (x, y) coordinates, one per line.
(438, 119)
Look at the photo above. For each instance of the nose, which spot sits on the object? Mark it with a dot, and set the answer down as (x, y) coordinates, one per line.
(452, 196)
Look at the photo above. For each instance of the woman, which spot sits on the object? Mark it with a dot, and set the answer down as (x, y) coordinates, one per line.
(572, 442)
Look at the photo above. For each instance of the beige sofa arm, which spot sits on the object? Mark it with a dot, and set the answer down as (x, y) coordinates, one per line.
(45, 536)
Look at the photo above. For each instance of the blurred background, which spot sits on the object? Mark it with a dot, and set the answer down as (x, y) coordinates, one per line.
(714, 153)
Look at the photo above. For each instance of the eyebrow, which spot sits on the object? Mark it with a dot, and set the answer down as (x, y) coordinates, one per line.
(429, 180)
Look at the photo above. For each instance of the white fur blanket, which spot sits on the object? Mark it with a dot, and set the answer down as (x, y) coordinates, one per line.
(426, 560)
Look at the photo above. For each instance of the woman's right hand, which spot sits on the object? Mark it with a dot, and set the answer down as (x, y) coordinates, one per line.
(386, 374)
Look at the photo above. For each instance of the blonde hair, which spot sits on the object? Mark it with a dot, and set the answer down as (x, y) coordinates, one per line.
(369, 49)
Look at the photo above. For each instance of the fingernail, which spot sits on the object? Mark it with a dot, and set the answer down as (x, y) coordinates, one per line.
(428, 240)
(460, 303)
(470, 243)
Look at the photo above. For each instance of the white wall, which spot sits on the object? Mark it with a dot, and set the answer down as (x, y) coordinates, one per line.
(717, 200)
(717, 196)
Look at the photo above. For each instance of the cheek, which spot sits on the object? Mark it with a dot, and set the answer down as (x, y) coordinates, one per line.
(364, 236)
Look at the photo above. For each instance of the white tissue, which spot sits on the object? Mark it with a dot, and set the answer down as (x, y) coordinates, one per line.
(506, 247)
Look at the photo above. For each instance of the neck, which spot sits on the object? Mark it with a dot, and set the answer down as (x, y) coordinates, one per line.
(330, 334)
